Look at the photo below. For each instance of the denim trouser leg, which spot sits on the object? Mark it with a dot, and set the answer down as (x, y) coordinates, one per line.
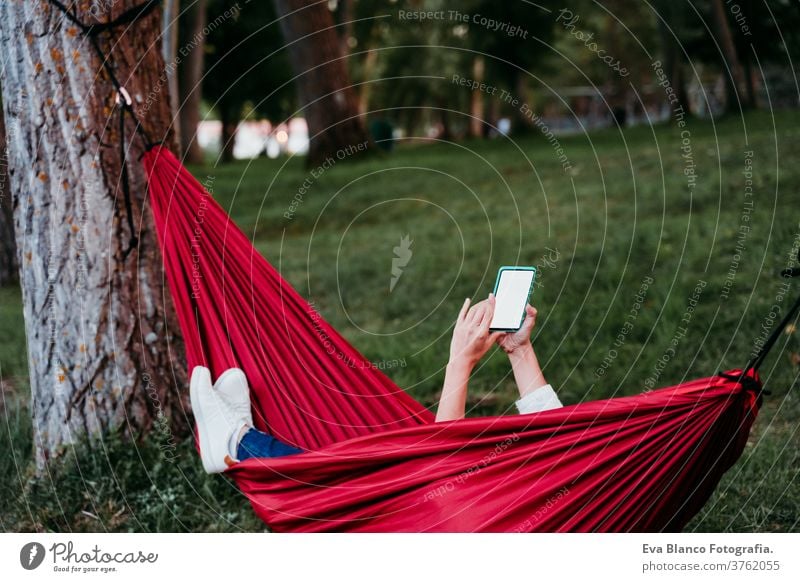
(255, 443)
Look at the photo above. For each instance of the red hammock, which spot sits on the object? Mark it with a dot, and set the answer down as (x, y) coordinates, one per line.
(377, 461)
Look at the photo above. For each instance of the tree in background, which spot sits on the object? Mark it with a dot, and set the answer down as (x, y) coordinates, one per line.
(343, 11)
(404, 69)
(102, 343)
(477, 124)
(418, 61)
(606, 52)
(327, 100)
(190, 86)
(512, 57)
(400, 67)
(733, 71)
(765, 35)
(672, 19)
(362, 31)
(247, 70)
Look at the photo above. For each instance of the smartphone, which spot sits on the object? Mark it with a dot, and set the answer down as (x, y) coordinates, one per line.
(511, 290)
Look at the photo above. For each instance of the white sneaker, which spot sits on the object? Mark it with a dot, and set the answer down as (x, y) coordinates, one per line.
(218, 415)
(233, 387)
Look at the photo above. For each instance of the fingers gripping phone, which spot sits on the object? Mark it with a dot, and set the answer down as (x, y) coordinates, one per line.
(511, 290)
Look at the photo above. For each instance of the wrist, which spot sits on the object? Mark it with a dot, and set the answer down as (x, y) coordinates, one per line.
(460, 363)
(521, 352)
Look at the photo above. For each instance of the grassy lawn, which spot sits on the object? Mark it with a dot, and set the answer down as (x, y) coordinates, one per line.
(622, 228)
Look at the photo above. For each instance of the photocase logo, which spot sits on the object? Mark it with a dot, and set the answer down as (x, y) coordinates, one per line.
(402, 254)
(31, 555)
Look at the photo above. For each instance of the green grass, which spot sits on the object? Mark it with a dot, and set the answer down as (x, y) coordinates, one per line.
(623, 213)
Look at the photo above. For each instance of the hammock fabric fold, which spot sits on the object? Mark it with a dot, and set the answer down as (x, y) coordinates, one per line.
(376, 460)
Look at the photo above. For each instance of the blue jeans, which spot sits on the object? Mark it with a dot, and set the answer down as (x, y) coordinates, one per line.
(255, 443)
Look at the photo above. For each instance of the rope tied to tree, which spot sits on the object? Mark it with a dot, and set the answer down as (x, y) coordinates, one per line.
(129, 16)
(123, 99)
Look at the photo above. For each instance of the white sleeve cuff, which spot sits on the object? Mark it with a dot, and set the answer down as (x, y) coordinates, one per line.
(543, 398)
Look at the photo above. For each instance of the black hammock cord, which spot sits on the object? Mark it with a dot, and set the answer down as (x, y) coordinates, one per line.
(91, 31)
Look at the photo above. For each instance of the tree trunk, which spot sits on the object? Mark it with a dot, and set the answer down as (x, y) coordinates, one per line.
(673, 65)
(523, 124)
(345, 8)
(410, 122)
(328, 102)
(734, 74)
(191, 83)
(370, 62)
(104, 350)
(169, 50)
(229, 124)
(494, 117)
(445, 133)
(476, 121)
(8, 246)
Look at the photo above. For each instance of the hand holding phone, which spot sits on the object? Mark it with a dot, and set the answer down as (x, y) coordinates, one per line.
(511, 290)
(511, 341)
(470, 338)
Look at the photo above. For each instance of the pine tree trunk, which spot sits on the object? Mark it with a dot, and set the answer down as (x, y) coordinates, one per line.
(523, 124)
(104, 350)
(410, 122)
(750, 80)
(477, 121)
(494, 116)
(673, 65)
(230, 124)
(191, 83)
(734, 74)
(364, 95)
(8, 246)
(446, 133)
(328, 101)
(345, 8)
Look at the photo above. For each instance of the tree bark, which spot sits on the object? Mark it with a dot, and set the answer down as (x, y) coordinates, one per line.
(494, 117)
(734, 74)
(191, 83)
(8, 245)
(750, 80)
(230, 124)
(370, 62)
(673, 65)
(445, 133)
(345, 8)
(523, 124)
(169, 50)
(477, 121)
(104, 350)
(328, 100)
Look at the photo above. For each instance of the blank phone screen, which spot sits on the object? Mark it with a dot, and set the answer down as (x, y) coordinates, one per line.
(511, 297)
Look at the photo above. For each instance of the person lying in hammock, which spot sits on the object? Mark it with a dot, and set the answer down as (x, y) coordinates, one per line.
(224, 418)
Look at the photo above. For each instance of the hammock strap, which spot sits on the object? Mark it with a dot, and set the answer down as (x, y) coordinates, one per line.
(760, 356)
(126, 185)
(129, 16)
(91, 32)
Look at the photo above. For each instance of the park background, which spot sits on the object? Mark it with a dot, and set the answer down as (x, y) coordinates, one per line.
(642, 155)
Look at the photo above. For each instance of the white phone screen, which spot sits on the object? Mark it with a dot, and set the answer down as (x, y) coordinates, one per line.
(511, 297)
